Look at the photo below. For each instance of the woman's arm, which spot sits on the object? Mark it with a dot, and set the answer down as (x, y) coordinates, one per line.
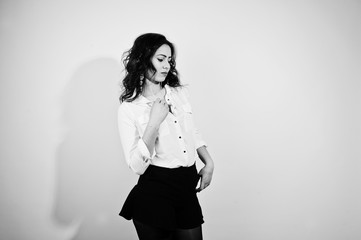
(205, 156)
(139, 150)
(150, 135)
(206, 172)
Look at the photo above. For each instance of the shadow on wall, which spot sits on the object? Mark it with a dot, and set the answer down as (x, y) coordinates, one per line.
(92, 177)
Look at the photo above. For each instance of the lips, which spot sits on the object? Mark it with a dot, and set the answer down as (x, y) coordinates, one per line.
(164, 73)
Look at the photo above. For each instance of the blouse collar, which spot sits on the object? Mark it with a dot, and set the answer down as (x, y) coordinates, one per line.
(143, 100)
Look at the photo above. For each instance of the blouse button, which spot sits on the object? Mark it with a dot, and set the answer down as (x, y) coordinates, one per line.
(180, 136)
(175, 121)
(184, 151)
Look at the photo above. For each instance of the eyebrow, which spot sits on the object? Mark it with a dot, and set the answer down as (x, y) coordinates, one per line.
(163, 55)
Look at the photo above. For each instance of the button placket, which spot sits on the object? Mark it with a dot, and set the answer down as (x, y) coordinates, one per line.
(178, 130)
(180, 137)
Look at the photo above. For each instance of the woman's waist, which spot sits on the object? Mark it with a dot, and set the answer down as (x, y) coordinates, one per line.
(172, 162)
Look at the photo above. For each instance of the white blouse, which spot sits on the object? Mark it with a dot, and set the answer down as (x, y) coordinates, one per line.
(178, 138)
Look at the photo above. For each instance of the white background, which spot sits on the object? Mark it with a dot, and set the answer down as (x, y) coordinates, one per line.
(275, 88)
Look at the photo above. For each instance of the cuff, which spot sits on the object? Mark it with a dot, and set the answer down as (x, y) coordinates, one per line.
(201, 143)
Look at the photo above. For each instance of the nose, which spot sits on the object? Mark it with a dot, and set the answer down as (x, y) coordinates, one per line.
(166, 66)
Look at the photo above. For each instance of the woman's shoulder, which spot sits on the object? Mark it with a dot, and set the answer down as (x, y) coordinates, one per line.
(125, 105)
(125, 109)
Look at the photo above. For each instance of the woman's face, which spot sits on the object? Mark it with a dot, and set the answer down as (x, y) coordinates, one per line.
(160, 61)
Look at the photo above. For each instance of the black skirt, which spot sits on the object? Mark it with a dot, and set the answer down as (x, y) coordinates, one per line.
(165, 198)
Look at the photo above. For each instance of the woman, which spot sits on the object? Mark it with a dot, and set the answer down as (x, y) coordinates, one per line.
(161, 144)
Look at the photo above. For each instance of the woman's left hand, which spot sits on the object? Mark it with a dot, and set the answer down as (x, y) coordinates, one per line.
(206, 174)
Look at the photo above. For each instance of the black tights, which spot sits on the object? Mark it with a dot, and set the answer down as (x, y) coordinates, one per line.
(146, 232)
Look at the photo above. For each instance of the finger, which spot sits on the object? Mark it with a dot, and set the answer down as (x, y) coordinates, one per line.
(165, 104)
(201, 188)
(202, 185)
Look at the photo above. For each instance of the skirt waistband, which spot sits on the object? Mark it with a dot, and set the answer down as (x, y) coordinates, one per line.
(181, 178)
(172, 170)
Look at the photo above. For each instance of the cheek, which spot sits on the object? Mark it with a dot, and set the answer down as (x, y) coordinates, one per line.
(157, 66)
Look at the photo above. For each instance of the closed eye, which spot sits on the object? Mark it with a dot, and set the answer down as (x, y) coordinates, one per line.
(162, 57)
(161, 60)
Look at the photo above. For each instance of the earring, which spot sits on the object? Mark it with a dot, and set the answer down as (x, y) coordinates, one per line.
(141, 80)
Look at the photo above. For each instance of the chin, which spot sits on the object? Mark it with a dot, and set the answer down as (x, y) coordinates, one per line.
(160, 80)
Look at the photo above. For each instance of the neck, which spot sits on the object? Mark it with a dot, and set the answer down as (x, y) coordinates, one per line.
(151, 87)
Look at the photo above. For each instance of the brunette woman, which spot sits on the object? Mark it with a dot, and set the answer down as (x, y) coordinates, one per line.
(161, 144)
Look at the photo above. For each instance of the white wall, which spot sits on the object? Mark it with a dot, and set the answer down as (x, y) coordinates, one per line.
(276, 91)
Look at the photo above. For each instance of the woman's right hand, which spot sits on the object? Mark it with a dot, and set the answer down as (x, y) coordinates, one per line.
(158, 112)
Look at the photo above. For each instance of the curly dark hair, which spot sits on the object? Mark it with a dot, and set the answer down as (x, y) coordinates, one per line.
(137, 62)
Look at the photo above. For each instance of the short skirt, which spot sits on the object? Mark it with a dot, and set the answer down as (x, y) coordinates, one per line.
(165, 198)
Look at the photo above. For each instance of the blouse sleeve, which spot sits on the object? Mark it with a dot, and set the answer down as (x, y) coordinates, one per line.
(136, 152)
(198, 139)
